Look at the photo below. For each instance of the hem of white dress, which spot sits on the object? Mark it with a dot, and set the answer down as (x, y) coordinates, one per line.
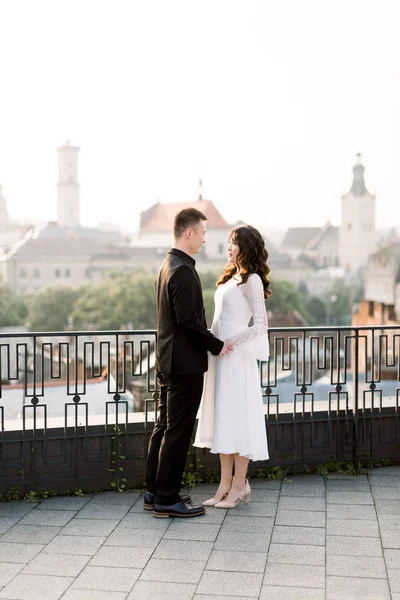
(202, 444)
(249, 456)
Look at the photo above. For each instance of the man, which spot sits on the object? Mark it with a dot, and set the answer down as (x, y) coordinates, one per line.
(182, 345)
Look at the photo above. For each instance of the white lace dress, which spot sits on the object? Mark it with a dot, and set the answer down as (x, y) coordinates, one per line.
(232, 414)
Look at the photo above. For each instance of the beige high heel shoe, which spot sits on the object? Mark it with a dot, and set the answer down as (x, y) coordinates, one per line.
(214, 501)
(245, 497)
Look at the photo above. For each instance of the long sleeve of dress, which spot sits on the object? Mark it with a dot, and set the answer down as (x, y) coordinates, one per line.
(254, 292)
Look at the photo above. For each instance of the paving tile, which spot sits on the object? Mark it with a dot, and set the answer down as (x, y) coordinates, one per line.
(269, 592)
(6, 524)
(386, 493)
(296, 554)
(72, 544)
(33, 587)
(392, 558)
(8, 571)
(215, 516)
(252, 509)
(170, 570)
(248, 562)
(30, 534)
(295, 575)
(343, 485)
(384, 471)
(352, 528)
(303, 491)
(15, 509)
(356, 566)
(93, 595)
(389, 481)
(356, 512)
(265, 484)
(301, 503)
(135, 538)
(309, 536)
(302, 480)
(349, 498)
(252, 542)
(258, 495)
(226, 582)
(113, 579)
(64, 503)
(183, 549)
(144, 521)
(344, 476)
(62, 565)
(127, 498)
(108, 511)
(18, 553)
(213, 597)
(112, 556)
(389, 522)
(88, 527)
(356, 588)
(387, 507)
(390, 539)
(56, 518)
(353, 546)
(394, 580)
(304, 518)
(192, 531)
(248, 524)
(152, 590)
(395, 596)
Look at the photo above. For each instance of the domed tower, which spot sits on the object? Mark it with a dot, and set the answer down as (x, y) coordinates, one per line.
(68, 187)
(357, 237)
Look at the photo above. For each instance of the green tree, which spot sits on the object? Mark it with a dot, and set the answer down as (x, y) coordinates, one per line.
(286, 299)
(124, 301)
(49, 310)
(339, 302)
(316, 308)
(13, 308)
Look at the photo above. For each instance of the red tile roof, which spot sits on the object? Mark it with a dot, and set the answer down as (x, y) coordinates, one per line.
(160, 217)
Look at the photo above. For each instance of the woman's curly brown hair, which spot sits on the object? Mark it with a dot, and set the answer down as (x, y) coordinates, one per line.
(252, 257)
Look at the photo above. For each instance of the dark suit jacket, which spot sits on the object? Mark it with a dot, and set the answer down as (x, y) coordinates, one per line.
(183, 337)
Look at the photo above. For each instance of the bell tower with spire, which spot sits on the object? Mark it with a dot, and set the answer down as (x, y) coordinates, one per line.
(68, 187)
(357, 236)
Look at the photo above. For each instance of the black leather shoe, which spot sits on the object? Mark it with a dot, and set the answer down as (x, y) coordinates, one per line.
(180, 509)
(148, 503)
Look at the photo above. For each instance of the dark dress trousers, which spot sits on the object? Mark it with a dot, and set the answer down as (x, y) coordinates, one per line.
(182, 344)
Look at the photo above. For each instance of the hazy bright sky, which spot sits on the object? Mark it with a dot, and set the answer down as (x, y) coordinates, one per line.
(267, 101)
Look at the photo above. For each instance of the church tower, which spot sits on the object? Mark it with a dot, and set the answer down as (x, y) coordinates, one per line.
(357, 237)
(68, 187)
(3, 212)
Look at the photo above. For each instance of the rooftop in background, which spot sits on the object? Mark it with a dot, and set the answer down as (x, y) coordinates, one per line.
(160, 217)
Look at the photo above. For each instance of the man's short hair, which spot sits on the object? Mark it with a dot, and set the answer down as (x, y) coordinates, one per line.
(185, 219)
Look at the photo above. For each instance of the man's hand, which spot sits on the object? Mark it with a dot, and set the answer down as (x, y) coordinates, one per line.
(226, 348)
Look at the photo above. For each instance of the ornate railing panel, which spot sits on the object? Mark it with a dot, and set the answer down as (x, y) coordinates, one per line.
(77, 408)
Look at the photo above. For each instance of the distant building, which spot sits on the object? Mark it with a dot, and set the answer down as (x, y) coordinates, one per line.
(68, 187)
(381, 303)
(358, 236)
(318, 244)
(348, 245)
(156, 226)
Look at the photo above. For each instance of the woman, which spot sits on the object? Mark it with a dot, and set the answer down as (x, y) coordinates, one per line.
(232, 418)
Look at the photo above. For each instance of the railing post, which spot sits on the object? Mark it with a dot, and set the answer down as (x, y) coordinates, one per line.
(355, 402)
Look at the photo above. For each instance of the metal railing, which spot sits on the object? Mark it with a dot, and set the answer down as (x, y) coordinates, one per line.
(66, 397)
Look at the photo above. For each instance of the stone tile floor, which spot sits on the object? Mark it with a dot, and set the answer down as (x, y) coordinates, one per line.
(302, 539)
